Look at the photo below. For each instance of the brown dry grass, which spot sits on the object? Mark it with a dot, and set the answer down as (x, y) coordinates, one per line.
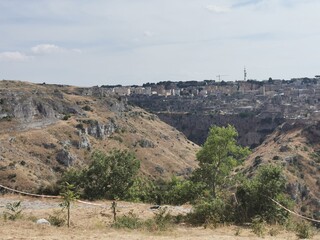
(93, 222)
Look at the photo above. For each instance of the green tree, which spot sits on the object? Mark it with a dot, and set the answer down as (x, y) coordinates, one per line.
(68, 196)
(218, 156)
(110, 176)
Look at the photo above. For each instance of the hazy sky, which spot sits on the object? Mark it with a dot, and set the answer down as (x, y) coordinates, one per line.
(95, 42)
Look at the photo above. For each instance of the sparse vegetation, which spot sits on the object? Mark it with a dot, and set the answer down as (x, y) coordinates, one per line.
(13, 211)
(129, 221)
(304, 230)
(117, 138)
(87, 108)
(66, 117)
(57, 219)
(258, 226)
(161, 221)
(276, 157)
(68, 195)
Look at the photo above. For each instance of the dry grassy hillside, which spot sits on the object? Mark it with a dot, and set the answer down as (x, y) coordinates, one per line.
(45, 129)
(295, 147)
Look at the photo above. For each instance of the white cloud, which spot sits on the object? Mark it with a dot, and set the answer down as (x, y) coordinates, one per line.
(218, 9)
(13, 56)
(46, 49)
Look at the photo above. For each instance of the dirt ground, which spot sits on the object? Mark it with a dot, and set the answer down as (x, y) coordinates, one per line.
(93, 222)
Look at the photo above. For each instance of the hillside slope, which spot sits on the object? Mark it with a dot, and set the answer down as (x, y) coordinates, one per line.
(296, 148)
(44, 129)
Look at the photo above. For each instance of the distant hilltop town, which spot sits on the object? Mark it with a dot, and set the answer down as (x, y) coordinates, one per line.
(298, 98)
(211, 87)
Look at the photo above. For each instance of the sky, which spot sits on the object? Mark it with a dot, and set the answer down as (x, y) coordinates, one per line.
(108, 42)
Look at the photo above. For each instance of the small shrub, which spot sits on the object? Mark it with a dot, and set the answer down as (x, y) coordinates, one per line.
(7, 118)
(13, 211)
(304, 230)
(118, 138)
(31, 218)
(208, 212)
(130, 221)
(57, 219)
(274, 231)
(276, 158)
(87, 108)
(12, 176)
(80, 126)
(66, 117)
(238, 231)
(258, 226)
(163, 220)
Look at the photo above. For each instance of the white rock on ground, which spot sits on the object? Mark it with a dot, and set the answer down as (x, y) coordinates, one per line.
(43, 221)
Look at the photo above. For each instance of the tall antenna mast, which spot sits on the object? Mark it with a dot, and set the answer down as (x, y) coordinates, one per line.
(245, 74)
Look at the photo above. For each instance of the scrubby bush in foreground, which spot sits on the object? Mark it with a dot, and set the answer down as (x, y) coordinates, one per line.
(108, 176)
(254, 197)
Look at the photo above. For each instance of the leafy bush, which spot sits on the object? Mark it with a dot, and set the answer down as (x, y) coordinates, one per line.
(130, 221)
(108, 176)
(175, 192)
(254, 197)
(142, 190)
(180, 191)
(208, 212)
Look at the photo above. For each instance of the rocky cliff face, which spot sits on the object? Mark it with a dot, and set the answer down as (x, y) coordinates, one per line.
(45, 129)
(252, 129)
(253, 119)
